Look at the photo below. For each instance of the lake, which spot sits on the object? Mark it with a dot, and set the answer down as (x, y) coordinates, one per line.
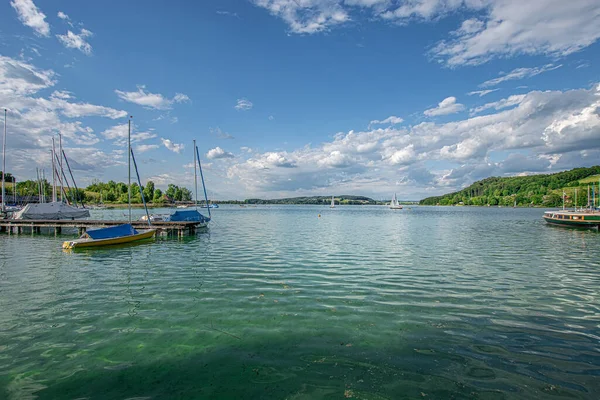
(277, 302)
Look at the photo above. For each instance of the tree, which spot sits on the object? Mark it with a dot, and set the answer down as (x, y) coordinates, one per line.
(171, 189)
(149, 191)
(178, 194)
(158, 196)
(186, 194)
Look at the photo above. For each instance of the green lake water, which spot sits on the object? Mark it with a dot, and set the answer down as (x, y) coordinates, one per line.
(275, 302)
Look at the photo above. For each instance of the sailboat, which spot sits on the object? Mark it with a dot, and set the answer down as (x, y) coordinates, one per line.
(119, 234)
(394, 205)
(189, 215)
(332, 203)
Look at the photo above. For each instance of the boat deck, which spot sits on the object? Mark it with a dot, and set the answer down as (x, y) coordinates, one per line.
(35, 226)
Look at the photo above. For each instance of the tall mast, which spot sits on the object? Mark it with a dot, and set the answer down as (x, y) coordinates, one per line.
(129, 168)
(37, 175)
(589, 204)
(4, 163)
(53, 172)
(195, 178)
(60, 166)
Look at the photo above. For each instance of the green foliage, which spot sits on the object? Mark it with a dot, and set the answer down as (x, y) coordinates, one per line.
(149, 191)
(532, 190)
(158, 196)
(186, 194)
(117, 192)
(8, 177)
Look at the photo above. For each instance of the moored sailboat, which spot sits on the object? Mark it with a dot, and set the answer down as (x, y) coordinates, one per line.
(118, 234)
(188, 215)
(109, 236)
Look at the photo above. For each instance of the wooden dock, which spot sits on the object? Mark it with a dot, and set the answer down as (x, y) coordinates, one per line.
(20, 226)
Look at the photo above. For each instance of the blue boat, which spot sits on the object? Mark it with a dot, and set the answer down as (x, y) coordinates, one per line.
(188, 216)
(109, 236)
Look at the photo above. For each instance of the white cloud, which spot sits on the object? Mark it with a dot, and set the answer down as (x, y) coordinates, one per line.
(481, 93)
(307, 16)
(118, 134)
(77, 41)
(500, 104)
(62, 94)
(219, 133)
(174, 147)
(271, 118)
(554, 130)
(510, 27)
(520, 73)
(59, 101)
(228, 13)
(494, 28)
(243, 105)
(63, 16)
(142, 148)
(34, 118)
(31, 16)
(217, 153)
(445, 107)
(19, 78)
(151, 100)
(391, 120)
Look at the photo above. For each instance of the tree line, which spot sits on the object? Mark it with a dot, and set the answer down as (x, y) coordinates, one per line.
(105, 192)
(533, 190)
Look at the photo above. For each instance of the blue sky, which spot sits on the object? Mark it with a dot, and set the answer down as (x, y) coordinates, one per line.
(297, 97)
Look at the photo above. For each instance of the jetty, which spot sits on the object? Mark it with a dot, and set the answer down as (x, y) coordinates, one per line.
(20, 226)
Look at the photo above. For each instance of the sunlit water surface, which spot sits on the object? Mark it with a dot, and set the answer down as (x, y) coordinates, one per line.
(276, 302)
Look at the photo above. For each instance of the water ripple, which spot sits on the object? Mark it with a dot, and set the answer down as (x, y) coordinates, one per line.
(361, 302)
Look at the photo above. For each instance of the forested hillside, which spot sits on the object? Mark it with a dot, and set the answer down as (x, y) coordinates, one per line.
(532, 190)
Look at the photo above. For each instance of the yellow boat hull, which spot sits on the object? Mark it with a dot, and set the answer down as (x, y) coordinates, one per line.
(87, 242)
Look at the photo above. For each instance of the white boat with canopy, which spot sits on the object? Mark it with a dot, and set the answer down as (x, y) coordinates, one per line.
(55, 210)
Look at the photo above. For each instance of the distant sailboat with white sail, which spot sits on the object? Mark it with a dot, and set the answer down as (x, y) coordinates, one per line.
(394, 205)
(332, 203)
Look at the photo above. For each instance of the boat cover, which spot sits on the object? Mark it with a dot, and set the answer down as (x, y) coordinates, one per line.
(51, 211)
(112, 232)
(187, 215)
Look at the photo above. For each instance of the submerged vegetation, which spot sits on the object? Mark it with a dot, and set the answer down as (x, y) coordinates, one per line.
(532, 190)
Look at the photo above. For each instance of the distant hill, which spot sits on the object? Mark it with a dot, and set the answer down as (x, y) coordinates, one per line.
(532, 190)
(319, 200)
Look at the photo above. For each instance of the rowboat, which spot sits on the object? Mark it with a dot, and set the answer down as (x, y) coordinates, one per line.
(109, 236)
